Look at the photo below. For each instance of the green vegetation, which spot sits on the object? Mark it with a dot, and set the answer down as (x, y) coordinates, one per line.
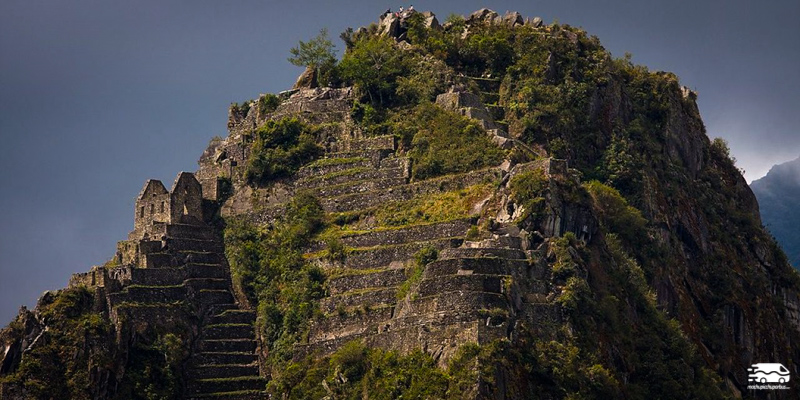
(77, 343)
(268, 103)
(615, 213)
(268, 267)
(442, 142)
(280, 148)
(317, 54)
(528, 190)
(423, 257)
(355, 370)
(429, 208)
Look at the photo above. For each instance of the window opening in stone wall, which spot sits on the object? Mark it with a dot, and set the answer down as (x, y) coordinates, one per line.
(141, 212)
(162, 206)
(152, 208)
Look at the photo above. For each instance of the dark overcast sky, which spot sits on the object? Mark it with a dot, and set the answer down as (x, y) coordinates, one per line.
(98, 96)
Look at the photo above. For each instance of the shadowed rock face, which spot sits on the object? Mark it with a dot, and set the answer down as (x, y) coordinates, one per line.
(778, 196)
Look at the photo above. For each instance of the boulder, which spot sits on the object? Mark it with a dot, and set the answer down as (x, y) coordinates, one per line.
(536, 22)
(484, 15)
(431, 21)
(307, 80)
(390, 26)
(512, 19)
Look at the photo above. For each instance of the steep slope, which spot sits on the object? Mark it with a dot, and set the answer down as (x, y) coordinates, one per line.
(489, 208)
(778, 193)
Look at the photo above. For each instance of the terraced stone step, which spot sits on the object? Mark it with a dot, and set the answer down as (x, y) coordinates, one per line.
(180, 258)
(128, 275)
(463, 252)
(448, 307)
(224, 370)
(195, 245)
(186, 231)
(357, 187)
(461, 283)
(228, 331)
(208, 283)
(383, 278)
(350, 175)
(349, 324)
(408, 234)
(224, 358)
(148, 294)
(365, 200)
(216, 309)
(380, 256)
(332, 165)
(385, 142)
(511, 242)
(233, 317)
(228, 346)
(237, 395)
(221, 385)
(366, 297)
(214, 296)
(476, 265)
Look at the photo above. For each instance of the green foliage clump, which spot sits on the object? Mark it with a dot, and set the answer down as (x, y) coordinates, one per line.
(268, 103)
(317, 53)
(355, 370)
(442, 142)
(373, 64)
(280, 148)
(75, 347)
(422, 258)
(429, 208)
(615, 214)
(268, 267)
(153, 370)
(528, 190)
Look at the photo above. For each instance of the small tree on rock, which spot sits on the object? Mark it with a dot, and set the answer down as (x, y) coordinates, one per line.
(317, 53)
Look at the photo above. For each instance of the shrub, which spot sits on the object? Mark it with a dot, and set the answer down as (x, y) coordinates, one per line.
(528, 190)
(615, 214)
(443, 142)
(267, 263)
(280, 149)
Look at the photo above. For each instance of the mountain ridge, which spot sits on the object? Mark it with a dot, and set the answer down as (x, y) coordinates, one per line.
(486, 208)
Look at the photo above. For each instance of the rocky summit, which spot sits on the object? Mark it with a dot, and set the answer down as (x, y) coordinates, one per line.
(486, 207)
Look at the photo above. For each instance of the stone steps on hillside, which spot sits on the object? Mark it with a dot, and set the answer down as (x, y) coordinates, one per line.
(228, 345)
(234, 316)
(237, 395)
(360, 281)
(224, 371)
(401, 235)
(480, 252)
(384, 142)
(375, 198)
(371, 297)
(225, 358)
(194, 245)
(475, 265)
(326, 166)
(367, 185)
(462, 283)
(227, 385)
(381, 256)
(228, 331)
(357, 174)
(348, 324)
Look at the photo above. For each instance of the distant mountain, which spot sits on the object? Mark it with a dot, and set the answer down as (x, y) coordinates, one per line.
(778, 196)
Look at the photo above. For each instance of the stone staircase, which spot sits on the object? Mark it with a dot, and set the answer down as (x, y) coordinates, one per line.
(186, 272)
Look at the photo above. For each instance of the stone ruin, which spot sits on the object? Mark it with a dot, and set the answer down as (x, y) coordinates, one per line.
(156, 211)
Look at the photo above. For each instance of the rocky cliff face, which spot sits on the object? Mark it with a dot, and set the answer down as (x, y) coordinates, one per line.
(777, 194)
(497, 209)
